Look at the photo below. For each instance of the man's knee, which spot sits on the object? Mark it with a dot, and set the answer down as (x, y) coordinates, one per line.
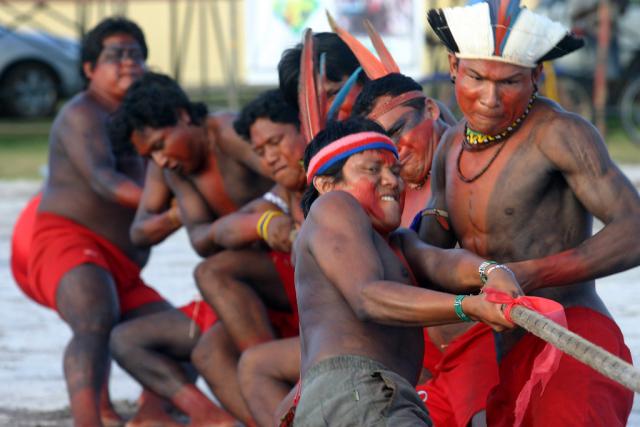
(249, 366)
(201, 355)
(121, 342)
(211, 272)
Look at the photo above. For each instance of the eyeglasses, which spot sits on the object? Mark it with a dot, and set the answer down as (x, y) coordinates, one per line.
(117, 54)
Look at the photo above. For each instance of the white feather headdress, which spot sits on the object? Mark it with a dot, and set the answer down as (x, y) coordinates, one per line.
(501, 30)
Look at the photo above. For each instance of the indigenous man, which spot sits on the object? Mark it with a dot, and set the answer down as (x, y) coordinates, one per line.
(415, 125)
(521, 179)
(414, 121)
(360, 319)
(81, 261)
(245, 298)
(210, 169)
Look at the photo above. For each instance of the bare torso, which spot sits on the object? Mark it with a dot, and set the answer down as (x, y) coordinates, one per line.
(522, 207)
(329, 326)
(70, 192)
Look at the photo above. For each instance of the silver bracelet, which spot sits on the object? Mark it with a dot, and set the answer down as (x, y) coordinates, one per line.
(498, 266)
(276, 200)
(482, 270)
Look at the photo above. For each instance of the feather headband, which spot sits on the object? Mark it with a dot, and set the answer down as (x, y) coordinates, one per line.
(501, 30)
(345, 147)
(373, 67)
(392, 103)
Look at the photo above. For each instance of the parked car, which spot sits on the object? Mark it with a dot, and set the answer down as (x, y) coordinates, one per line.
(36, 70)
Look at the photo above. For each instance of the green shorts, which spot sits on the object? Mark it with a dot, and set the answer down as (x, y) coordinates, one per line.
(360, 392)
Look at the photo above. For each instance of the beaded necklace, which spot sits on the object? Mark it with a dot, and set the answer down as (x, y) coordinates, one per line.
(475, 141)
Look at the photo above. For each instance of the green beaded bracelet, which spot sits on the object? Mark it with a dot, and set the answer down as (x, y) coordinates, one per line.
(457, 307)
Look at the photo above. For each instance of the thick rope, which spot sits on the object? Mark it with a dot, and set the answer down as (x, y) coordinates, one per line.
(596, 357)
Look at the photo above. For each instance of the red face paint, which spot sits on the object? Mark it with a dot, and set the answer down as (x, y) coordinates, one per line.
(185, 147)
(491, 94)
(181, 148)
(372, 177)
(416, 149)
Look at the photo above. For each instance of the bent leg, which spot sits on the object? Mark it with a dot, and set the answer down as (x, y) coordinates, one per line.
(153, 349)
(87, 301)
(267, 372)
(239, 294)
(216, 359)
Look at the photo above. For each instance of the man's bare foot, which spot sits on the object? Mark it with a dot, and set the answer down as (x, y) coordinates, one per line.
(158, 420)
(231, 422)
(109, 416)
(152, 412)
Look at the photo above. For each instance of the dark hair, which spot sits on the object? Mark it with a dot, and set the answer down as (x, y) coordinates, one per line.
(92, 42)
(154, 100)
(333, 131)
(390, 85)
(340, 63)
(268, 105)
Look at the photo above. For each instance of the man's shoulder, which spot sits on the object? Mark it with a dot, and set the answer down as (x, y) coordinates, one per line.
(336, 199)
(82, 109)
(336, 207)
(554, 126)
(221, 122)
(450, 134)
(550, 116)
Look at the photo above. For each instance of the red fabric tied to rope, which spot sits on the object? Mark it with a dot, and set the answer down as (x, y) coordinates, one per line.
(546, 363)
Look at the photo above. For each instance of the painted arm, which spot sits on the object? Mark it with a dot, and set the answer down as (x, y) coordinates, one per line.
(209, 233)
(451, 270)
(580, 154)
(240, 228)
(343, 246)
(156, 217)
(431, 230)
(84, 136)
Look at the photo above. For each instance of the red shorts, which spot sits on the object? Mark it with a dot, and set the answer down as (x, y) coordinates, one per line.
(576, 395)
(204, 316)
(463, 377)
(59, 245)
(286, 324)
(21, 241)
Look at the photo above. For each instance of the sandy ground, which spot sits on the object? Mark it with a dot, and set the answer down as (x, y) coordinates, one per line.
(32, 338)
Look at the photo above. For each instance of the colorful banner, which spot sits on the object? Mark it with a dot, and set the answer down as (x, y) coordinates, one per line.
(271, 26)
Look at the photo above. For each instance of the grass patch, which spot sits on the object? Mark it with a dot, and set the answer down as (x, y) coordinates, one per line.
(622, 150)
(22, 156)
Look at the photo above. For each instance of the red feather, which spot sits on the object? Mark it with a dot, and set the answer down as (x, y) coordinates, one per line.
(502, 25)
(307, 94)
(385, 56)
(370, 64)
